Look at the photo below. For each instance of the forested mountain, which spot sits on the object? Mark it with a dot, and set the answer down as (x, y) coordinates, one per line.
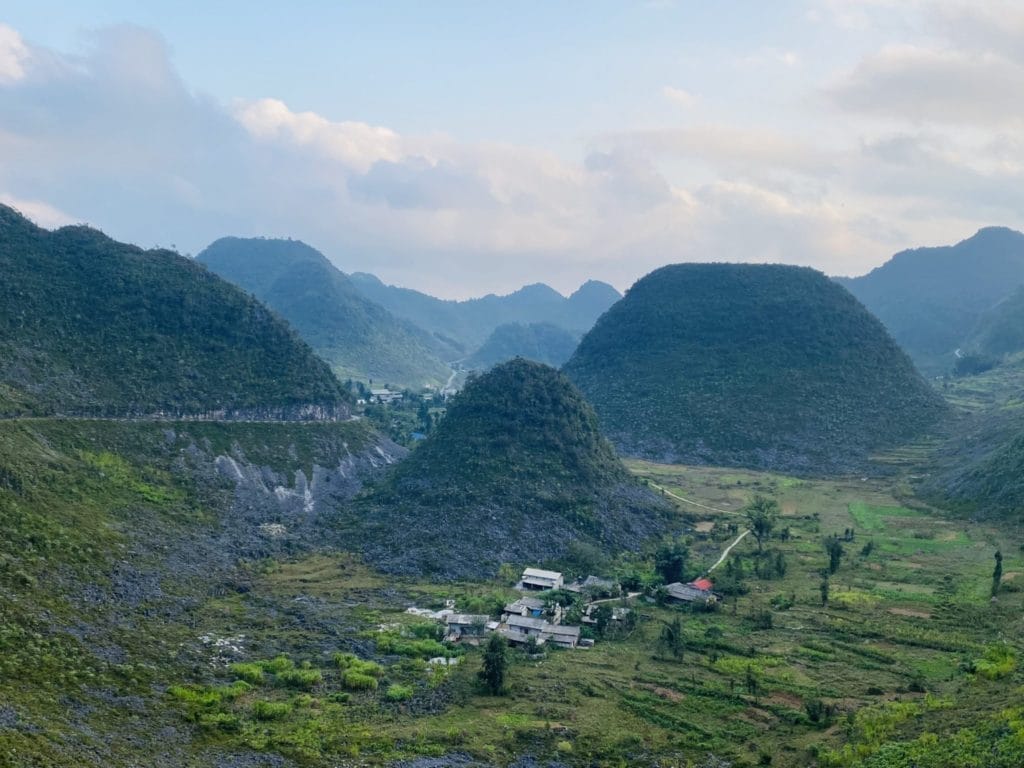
(359, 338)
(931, 299)
(750, 365)
(90, 326)
(468, 323)
(1000, 330)
(541, 342)
(515, 472)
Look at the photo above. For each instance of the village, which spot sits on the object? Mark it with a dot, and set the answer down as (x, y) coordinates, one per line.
(537, 617)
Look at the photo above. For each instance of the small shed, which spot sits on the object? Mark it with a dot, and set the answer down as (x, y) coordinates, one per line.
(466, 625)
(562, 635)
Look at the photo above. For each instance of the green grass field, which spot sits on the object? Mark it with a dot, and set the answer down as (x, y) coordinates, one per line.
(898, 653)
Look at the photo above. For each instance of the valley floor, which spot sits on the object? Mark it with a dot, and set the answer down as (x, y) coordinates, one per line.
(301, 658)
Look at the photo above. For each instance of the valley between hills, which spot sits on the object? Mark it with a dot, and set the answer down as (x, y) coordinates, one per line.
(795, 551)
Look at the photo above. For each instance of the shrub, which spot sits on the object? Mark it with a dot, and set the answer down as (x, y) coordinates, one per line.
(357, 681)
(277, 665)
(250, 673)
(300, 678)
(271, 710)
(220, 721)
(398, 692)
(351, 663)
(998, 662)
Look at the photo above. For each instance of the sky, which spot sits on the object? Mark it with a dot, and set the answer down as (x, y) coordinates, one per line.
(463, 148)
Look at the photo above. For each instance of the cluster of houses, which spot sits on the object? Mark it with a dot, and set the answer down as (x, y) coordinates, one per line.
(529, 619)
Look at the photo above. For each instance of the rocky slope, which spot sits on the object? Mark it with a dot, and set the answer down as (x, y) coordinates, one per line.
(515, 472)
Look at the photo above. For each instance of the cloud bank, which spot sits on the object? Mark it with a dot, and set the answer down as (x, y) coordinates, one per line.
(922, 144)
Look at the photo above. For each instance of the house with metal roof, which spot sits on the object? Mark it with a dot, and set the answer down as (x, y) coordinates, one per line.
(538, 579)
(690, 593)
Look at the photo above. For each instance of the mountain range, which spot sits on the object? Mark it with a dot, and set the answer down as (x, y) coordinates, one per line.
(467, 324)
(357, 337)
(932, 299)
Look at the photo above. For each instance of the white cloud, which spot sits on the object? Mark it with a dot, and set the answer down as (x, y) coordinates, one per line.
(14, 55)
(679, 96)
(43, 214)
(926, 85)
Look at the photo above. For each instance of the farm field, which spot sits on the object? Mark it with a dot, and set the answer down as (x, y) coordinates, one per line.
(909, 644)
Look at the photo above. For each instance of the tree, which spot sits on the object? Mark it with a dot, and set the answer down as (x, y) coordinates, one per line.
(835, 552)
(670, 560)
(824, 590)
(752, 683)
(671, 639)
(495, 664)
(997, 574)
(602, 616)
(761, 514)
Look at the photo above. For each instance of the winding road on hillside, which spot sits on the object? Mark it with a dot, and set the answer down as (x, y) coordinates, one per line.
(727, 550)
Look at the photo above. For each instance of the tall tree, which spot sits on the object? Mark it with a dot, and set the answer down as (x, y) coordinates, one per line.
(834, 550)
(671, 639)
(495, 665)
(824, 590)
(670, 560)
(997, 574)
(761, 514)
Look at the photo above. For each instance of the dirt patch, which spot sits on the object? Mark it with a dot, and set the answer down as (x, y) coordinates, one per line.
(874, 566)
(788, 508)
(664, 693)
(1011, 575)
(787, 700)
(910, 612)
(706, 526)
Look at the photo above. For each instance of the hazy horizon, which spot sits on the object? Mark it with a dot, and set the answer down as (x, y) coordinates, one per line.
(463, 150)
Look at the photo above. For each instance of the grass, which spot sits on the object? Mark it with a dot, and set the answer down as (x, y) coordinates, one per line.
(897, 634)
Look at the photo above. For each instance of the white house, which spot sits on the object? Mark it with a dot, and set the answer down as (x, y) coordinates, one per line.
(535, 578)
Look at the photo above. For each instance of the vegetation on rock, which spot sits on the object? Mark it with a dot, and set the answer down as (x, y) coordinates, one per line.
(749, 365)
(90, 326)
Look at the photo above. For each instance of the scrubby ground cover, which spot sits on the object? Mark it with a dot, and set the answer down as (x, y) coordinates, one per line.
(909, 663)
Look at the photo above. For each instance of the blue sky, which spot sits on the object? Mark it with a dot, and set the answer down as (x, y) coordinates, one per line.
(467, 147)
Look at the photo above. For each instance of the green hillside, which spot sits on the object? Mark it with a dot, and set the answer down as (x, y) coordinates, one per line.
(540, 342)
(467, 324)
(749, 365)
(1000, 330)
(90, 326)
(515, 472)
(359, 339)
(931, 299)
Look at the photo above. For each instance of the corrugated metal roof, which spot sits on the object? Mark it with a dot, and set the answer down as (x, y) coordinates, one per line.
(537, 573)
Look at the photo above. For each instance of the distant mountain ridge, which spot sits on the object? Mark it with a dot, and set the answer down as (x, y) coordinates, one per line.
(516, 472)
(357, 337)
(468, 323)
(761, 366)
(90, 326)
(931, 299)
(540, 342)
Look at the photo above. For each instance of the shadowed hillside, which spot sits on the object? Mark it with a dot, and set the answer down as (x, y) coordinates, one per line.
(750, 365)
(90, 326)
(540, 342)
(467, 324)
(358, 338)
(930, 299)
(515, 472)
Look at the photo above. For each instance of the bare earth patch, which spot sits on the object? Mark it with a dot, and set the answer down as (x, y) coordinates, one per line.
(910, 612)
(705, 526)
(664, 693)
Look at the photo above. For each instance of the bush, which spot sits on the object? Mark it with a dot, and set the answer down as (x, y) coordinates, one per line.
(998, 662)
(398, 692)
(300, 678)
(251, 673)
(277, 665)
(351, 663)
(271, 710)
(220, 721)
(357, 681)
